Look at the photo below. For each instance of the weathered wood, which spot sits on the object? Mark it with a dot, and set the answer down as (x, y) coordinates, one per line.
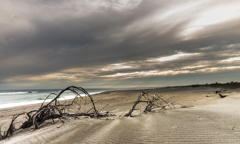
(54, 110)
(134, 105)
(151, 103)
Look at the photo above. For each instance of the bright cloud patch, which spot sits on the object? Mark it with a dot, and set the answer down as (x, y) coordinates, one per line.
(146, 73)
(231, 59)
(173, 57)
(215, 15)
(116, 66)
(192, 67)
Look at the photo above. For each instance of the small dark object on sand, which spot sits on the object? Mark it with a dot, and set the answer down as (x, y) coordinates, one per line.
(218, 92)
(222, 96)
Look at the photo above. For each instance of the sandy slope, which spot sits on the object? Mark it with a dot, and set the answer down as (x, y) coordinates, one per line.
(211, 120)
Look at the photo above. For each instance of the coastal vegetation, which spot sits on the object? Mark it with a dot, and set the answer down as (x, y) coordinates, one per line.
(228, 85)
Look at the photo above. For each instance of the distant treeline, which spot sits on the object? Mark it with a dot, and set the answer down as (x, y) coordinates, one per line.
(228, 85)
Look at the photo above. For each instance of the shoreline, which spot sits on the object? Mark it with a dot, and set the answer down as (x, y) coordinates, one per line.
(211, 115)
(100, 95)
(11, 105)
(68, 97)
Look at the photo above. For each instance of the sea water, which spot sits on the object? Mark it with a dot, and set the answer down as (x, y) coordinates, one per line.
(11, 98)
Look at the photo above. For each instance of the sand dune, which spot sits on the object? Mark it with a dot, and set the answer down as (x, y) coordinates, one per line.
(211, 120)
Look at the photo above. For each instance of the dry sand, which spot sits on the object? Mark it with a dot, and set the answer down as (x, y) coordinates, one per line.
(211, 120)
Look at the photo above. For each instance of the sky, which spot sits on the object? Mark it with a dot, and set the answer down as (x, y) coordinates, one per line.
(118, 43)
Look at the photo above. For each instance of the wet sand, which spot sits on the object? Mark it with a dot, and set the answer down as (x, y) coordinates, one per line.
(208, 120)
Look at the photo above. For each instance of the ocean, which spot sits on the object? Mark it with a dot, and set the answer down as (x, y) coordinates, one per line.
(11, 98)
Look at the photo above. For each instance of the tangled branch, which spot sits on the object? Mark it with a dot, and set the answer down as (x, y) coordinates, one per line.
(57, 109)
(82, 105)
(155, 102)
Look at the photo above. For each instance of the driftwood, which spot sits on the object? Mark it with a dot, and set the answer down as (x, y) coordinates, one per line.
(79, 106)
(56, 109)
(155, 102)
(223, 96)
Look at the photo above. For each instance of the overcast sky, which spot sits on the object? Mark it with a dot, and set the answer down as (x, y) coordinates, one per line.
(118, 43)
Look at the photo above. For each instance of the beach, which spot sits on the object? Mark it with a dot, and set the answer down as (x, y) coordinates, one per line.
(200, 116)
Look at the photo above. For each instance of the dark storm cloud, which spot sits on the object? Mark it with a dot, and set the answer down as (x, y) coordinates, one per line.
(45, 38)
